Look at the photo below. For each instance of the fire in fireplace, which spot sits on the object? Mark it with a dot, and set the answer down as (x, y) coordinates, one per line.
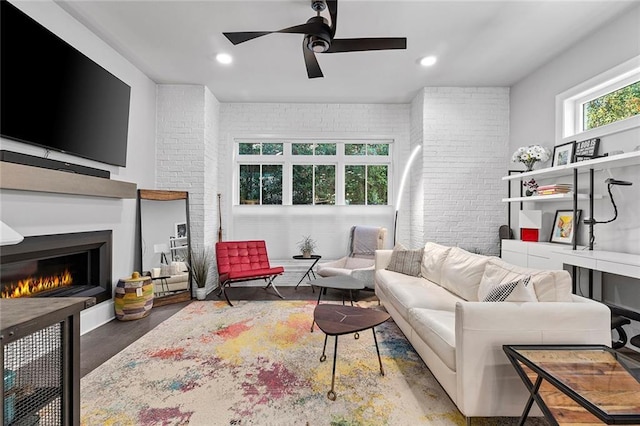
(62, 265)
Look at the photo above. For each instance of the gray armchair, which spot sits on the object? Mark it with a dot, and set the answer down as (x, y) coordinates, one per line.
(359, 263)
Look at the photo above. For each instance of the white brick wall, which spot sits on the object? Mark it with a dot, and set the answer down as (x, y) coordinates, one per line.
(187, 153)
(465, 154)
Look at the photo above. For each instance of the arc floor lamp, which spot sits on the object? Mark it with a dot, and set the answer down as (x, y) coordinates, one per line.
(403, 181)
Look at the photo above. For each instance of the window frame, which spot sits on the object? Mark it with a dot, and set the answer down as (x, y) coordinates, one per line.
(569, 111)
(288, 160)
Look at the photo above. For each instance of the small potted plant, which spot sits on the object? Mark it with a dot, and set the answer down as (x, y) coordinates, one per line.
(200, 264)
(307, 246)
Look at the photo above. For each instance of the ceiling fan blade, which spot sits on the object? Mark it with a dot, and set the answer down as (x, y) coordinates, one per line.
(241, 37)
(310, 60)
(332, 5)
(364, 44)
(306, 28)
(312, 28)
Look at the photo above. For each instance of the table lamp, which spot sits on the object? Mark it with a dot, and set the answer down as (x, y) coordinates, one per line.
(162, 249)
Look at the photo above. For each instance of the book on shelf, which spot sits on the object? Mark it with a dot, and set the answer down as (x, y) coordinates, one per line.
(552, 191)
(559, 186)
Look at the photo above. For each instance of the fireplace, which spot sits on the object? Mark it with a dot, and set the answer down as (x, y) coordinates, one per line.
(61, 265)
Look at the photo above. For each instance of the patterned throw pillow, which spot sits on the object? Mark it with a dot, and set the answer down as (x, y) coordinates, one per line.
(514, 291)
(405, 261)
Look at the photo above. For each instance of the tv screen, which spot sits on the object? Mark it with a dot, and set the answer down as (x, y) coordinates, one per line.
(55, 97)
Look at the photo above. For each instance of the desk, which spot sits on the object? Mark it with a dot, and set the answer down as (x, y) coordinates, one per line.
(315, 259)
(627, 265)
(596, 383)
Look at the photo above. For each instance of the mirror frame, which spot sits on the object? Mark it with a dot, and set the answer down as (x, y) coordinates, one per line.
(166, 195)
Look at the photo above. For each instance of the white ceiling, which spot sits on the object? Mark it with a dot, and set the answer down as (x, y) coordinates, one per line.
(478, 43)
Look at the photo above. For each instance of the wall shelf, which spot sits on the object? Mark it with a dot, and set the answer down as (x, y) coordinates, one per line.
(545, 198)
(620, 160)
(27, 178)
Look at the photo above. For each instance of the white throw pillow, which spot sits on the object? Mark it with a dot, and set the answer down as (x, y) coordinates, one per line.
(549, 285)
(520, 290)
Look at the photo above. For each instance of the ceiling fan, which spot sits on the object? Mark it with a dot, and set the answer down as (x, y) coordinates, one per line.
(319, 37)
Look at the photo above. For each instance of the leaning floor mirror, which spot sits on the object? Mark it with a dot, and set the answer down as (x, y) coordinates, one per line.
(164, 240)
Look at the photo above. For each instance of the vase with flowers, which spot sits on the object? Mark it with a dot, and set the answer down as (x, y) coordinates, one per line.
(530, 155)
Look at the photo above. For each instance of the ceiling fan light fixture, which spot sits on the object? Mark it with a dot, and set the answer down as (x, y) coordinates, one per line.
(317, 44)
(224, 58)
(428, 61)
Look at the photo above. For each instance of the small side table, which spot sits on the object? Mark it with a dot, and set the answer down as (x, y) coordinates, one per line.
(336, 320)
(309, 272)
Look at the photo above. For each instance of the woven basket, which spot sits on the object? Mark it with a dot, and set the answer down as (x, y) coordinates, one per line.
(134, 297)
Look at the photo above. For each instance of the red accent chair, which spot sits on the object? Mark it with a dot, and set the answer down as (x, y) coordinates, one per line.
(240, 261)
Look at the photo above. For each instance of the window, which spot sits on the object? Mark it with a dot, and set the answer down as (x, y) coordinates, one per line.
(606, 104)
(313, 173)
(260, 184)
(611, 107)
(366, 184)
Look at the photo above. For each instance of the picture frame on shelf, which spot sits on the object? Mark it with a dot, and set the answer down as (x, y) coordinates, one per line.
(586, 149)
(563, 154)
(565, 226)
(181, 230)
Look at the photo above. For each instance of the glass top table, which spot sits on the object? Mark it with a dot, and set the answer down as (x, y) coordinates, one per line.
(597, 384)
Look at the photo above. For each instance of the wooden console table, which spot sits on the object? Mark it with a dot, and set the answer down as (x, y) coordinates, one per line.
(41, 360)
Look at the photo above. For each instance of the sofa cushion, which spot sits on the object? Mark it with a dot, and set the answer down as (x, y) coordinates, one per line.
(405, 261)
(520, 290)
(406, 292)
(462, 272)
(433, 257)
(436, 329)
(549, 286)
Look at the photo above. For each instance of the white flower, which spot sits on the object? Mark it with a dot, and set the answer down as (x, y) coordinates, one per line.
(529, 154)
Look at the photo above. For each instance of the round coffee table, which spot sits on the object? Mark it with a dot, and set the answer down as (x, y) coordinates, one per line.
(336, 320)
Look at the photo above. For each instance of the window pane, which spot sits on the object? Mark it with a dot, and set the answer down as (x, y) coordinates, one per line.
(377, 185)
(354, 149)
(249, 184)
(325, 183)
(612, 107)
(249, 149)
(302, 184)
(272, 184)
(354, 184)
(378, 149)
(326, 149)
(272, 149)
(301, 149)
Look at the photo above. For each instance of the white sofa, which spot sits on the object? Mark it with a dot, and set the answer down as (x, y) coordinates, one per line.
(460, 338)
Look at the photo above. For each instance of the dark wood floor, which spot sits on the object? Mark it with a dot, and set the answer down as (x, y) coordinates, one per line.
(100, 344)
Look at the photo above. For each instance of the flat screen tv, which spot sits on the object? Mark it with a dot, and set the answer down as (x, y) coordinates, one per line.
(55, 97)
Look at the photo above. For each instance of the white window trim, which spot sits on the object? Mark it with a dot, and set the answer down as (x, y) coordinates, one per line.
(287, 159)
(569, 103)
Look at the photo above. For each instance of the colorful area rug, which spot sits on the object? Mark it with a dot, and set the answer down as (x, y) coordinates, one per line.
(258, 364)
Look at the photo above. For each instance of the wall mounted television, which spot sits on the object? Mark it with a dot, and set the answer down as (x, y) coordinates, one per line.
(55, 97)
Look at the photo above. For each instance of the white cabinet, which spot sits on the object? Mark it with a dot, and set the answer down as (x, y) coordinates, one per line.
(535, 255)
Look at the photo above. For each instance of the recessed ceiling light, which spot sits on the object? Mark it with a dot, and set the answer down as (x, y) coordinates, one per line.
(427, 61)
(224, 58)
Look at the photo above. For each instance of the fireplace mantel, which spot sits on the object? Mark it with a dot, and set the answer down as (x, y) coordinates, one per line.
(27, 178)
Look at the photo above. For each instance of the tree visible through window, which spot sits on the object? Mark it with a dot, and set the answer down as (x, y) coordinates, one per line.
(260, 184)
(366, 184)
(614, 106)
(314, 184)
